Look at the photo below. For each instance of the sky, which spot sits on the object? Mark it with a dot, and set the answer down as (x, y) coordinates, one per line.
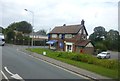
(51, 13)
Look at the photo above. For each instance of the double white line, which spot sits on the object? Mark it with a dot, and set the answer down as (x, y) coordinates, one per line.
(4, 76)
(15, 76)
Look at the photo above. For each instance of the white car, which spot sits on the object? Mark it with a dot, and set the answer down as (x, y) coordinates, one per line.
(2, 40)
(103, 55)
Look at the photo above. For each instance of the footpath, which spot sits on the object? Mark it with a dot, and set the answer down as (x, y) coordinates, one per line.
(83, 72)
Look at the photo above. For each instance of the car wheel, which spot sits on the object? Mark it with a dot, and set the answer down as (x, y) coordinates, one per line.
(105, 57)
(98, 57)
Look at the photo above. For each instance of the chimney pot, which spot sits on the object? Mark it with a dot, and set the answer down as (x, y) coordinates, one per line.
(82, 22)
(64, 24)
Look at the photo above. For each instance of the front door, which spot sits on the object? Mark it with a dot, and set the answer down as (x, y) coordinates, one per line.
(69, 47)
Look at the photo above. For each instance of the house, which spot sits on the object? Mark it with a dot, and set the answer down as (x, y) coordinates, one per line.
(38, 38)
(70, 38)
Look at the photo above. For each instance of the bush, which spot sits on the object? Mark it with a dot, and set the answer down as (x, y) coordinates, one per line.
(100, 46)
(91, 60)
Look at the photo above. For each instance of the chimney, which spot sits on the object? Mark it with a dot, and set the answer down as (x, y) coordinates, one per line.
(64, 24)
(82, 22)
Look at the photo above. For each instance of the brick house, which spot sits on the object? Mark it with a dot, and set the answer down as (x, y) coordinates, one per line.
(71, 38)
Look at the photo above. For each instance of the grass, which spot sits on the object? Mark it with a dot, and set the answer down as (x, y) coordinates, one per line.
(112, 73)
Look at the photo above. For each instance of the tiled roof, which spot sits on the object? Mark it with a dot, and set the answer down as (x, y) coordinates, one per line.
(82, 43)
(67, 29)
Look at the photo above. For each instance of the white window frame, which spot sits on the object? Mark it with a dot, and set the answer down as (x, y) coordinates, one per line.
(68, 35)
(54, 35)
(60, 35)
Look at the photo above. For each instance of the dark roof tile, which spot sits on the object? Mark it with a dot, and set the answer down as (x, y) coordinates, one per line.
(82, 43)
(67, 29)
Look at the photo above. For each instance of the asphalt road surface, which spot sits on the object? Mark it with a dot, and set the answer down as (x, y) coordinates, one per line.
(16, 64)
(114, 55)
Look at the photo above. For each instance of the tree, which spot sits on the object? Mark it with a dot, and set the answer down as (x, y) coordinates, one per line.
(98, 34)
(1, 29)
(105, 40)
(10, 35)
(17, 27)
(112, 37)
(100, 46)
(24, 27)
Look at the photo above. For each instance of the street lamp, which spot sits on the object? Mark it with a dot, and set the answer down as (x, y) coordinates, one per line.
(32, 23)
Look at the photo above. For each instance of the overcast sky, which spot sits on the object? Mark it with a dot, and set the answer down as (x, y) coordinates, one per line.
(51, 13)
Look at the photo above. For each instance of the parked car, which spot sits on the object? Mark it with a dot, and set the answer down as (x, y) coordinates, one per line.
(2, 40)
(103, 55)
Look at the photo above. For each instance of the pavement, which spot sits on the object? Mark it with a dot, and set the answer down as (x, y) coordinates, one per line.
(69, 67)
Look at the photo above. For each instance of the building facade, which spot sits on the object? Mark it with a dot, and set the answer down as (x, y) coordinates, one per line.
(70, 38)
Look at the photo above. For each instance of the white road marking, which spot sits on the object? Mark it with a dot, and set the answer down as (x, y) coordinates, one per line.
(55, 65)
(4, 76)
(15, 76)
(8, 71)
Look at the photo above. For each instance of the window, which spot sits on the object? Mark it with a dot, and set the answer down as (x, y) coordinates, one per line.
(68, 36)
(69, 47)
(84, 37)
(60, 35)
(54, 35)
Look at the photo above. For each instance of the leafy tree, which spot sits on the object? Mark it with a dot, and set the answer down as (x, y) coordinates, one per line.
(24, 27)
(10, 35)
(12, 26)
(105, 40)
(112, 37)
(100, 46)
(99, 34)
(17, 27)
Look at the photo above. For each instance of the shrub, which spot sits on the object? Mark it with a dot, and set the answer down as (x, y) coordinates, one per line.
(91, 60)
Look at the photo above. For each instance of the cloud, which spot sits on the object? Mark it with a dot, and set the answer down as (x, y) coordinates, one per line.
(50, 13)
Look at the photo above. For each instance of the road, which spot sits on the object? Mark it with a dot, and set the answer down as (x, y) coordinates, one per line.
(114, 55)
(27, 67)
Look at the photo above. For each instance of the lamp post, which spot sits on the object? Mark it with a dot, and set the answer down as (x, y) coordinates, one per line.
(32, 23)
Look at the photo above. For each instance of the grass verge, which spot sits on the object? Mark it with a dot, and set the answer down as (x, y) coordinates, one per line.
(112, 73)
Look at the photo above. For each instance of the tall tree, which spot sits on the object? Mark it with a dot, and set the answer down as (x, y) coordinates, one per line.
(24, 27)
(112, 37)
(98, 34)
(105, 40)
(21, 27)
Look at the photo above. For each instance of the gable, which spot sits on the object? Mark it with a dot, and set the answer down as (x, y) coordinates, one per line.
(83, 31)
(89, 45)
